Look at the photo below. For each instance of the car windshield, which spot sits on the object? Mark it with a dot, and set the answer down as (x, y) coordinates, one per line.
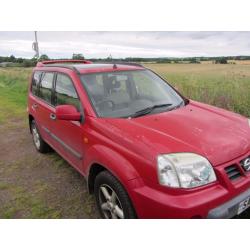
(129, 93)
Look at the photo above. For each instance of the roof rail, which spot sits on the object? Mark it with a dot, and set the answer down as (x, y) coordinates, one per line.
(121, 63)
(44, 63)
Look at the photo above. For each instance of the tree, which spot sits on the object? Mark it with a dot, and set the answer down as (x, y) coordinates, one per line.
(12, 58)
(19, 60)
(194, 60)
(29, 62)
(163, 61)
(109, 58)
(43, 57)
(78, 56)
(221, 60)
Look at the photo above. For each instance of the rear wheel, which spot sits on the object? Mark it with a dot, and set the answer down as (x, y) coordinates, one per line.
(39, 143)
(111, 198)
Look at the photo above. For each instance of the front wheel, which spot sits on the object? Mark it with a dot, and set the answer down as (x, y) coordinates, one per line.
(111, 198)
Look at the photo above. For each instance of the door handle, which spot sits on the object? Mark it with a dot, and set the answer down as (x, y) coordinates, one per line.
(52, 116)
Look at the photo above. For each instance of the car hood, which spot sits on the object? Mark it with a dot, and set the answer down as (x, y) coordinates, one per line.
(217, 134)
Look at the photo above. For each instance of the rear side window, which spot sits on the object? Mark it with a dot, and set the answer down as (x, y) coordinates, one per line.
(46, 84)
(35, 82)
(65, 92)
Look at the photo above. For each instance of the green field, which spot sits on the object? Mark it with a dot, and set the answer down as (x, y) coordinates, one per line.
(13, 92)
(33, 185)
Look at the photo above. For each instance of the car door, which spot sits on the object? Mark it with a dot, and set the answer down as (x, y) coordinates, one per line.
(67, 135)
(41, 101)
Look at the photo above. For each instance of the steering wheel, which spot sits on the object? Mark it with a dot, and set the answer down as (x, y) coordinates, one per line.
(107, 101)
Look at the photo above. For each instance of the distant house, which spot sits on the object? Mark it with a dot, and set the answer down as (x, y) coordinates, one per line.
(5, 64)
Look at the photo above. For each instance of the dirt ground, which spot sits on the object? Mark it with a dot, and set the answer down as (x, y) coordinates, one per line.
(33, 185)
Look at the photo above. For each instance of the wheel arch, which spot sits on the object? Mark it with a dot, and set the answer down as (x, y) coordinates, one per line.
(95, 169)
(31, 118)
(109, 160)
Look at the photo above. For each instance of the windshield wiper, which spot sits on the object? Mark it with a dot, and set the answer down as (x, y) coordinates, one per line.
(182, 103)
(149, 109)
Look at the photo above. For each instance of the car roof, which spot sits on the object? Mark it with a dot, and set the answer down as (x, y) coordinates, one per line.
(85, 68)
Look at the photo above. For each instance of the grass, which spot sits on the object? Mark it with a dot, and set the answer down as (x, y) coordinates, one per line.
(25, 203)
(13, 92)
(56, 192)
(225, 86)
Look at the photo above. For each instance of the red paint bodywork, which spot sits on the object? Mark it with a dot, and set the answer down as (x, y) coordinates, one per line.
(128, 148)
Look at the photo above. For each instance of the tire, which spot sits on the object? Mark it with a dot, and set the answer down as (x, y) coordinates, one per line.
(40, 145)
(111, 198)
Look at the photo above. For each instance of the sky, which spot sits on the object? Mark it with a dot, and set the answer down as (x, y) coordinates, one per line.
(125, 44)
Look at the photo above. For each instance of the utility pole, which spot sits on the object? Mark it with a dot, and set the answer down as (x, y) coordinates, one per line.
(35, 46)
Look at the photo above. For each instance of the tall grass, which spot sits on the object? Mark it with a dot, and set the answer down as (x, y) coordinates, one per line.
(225, 86)
(13, 92)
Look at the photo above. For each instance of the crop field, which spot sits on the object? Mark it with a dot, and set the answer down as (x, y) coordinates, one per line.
(225, 86)
(38, 186)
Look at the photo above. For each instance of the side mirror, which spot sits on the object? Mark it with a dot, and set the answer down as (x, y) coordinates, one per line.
(68, 113)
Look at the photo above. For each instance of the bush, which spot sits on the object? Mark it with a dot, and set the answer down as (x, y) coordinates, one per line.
(43, 57)
(78, 57)
(29, 63)
(163, 61)
(194, 60)
(221, 61)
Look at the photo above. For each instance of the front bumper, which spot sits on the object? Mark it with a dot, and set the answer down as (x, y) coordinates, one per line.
(152, 203)
(228, 209)
(213, 201)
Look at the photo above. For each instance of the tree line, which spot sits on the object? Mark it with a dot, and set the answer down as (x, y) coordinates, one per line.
(24, 62)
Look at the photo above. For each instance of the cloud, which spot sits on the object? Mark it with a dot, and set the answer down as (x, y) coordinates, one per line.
(126, 44)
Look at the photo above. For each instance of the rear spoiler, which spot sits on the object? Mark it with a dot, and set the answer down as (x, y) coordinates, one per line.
(44, 63)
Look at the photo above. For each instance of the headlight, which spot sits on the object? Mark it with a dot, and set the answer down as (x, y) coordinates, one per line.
(184, 170)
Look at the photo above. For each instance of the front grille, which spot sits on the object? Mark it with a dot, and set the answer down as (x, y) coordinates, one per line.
(233, 172)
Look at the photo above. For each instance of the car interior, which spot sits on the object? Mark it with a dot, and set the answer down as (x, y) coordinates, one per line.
(119, 94)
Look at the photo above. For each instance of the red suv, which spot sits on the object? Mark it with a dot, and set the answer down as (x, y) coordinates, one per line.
(145, 150)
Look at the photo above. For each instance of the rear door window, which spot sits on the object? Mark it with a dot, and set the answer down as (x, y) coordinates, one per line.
(35, 82)
(46, 84)
(65, 92)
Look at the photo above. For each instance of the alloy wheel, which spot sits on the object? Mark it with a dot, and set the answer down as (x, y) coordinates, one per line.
(36, 137)
(110, 203)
